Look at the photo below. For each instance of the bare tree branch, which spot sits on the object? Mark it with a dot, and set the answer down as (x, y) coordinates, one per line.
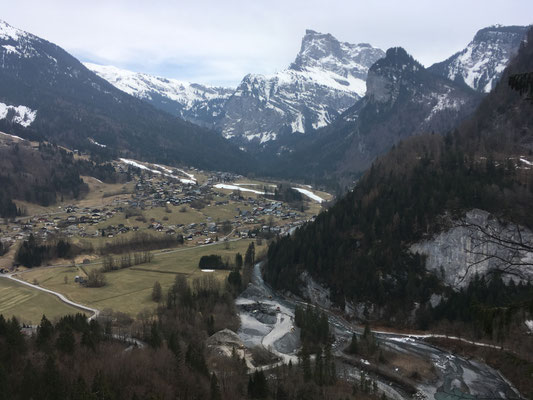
(505, 246)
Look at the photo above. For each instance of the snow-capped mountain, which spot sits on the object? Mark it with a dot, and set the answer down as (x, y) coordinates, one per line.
(482, 62)
(403, 99)
(326, 78)
(194, 102)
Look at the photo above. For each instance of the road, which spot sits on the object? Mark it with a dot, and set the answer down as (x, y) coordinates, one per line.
(133, 342)
(61, 297)
(457, 377)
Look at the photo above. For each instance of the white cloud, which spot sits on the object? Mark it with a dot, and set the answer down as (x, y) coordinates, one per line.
(220, 41)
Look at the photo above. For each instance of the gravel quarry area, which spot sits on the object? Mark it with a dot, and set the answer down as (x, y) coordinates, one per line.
(267, 321)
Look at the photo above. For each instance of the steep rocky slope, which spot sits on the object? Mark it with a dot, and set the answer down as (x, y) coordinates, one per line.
(481, 63)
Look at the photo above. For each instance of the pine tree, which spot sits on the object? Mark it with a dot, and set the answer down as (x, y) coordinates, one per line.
(155, 336)
(66, 341)
(319, 368)
(45, 330)
(156, 292)
(306, 363)
(353, 348)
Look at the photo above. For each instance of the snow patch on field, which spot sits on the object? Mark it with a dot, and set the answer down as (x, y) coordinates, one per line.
(526, 161)
(158, 172)
(235, 187)
(309, 194)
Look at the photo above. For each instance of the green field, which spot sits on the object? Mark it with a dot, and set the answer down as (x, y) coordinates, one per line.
(28, 304)
(129, 290)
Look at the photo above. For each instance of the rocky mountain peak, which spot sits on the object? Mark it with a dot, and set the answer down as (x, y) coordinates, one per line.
(501, 33)
(386, 76)
(323, 51)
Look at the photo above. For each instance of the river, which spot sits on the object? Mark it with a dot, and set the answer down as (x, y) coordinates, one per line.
(267, 319)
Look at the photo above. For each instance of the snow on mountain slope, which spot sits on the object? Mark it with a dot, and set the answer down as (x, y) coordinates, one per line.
(481, 63)
(326, 78)
(191, 101)
(21, 115)
(20, 43)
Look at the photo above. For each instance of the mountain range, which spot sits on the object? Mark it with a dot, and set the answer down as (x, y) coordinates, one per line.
(325, 80)
(327, 116)
(442, 224)
(402, 99)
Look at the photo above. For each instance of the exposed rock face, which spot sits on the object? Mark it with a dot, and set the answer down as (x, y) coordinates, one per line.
(482, 62)
(314, 292)
(470, 247)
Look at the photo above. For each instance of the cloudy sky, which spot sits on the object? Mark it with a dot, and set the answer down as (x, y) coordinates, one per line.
(219, 41)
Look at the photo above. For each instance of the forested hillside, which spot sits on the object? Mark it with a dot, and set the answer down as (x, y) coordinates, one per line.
(43, 175)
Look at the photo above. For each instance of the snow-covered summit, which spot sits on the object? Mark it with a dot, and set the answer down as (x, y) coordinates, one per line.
(482, 62)
(144, 85)
(8, 32)
(326, 78)
(345, 62)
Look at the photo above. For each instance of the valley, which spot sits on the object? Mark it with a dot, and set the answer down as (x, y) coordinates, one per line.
(196, 205)
(186, 214)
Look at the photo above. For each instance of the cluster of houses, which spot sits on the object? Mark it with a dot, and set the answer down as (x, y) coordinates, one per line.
(252, 215)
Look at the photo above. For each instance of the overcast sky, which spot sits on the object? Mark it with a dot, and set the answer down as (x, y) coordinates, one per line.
(219, 41)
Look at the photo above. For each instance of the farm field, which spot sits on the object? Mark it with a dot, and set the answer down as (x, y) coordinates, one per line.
(28, 304)
(129, 290)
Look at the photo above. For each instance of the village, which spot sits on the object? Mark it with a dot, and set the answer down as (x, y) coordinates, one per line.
(159, 200)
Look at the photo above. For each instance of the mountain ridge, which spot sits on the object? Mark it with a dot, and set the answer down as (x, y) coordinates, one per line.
(481, 63)
(325, 79)
(74, 106)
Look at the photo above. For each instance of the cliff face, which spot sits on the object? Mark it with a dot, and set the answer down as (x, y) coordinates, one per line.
(479, 244)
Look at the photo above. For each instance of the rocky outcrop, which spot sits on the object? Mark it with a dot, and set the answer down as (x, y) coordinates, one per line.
(314, 292)
(478, 244)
